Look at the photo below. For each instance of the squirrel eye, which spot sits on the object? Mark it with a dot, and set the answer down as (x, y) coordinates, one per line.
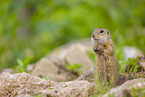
(101, 31)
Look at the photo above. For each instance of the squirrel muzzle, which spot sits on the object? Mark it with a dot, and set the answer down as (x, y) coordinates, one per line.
(93, 36)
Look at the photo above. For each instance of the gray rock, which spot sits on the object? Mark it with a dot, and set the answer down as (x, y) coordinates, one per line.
(21, 83)
(53, 69)
(73, 54)
(142, 62)
(70, 89)
(131, 88)
(25, 85)
(24, 95)
(54, 64)
(30, 67)
(9, 70)
(88, 75)
(132, 52)
(143, 65)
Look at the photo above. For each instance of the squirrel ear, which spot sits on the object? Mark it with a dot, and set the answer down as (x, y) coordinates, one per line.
(108, 32)
(92, 35)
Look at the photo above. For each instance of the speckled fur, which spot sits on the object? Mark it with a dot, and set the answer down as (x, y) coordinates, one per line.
(107, 65)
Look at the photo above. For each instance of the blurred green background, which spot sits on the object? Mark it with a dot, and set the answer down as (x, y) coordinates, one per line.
(35, 27)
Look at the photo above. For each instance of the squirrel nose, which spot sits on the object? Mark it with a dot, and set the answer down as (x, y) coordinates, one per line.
(93, 36)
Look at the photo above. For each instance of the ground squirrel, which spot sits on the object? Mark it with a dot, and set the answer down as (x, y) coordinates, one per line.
(107, 66)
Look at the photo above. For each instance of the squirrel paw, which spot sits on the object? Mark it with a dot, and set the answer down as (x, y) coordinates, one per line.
(98, 50)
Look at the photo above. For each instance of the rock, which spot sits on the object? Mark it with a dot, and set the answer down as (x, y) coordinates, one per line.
(131, 88)
(26, 85)
(54, 64)
(132, 52)
(30, 67)
(143, 65)
(9, 70)
(142, 62)
(70, 89)
(53, 69)
(74, 54)
(88, 75)
(21, 83)
(24, 95)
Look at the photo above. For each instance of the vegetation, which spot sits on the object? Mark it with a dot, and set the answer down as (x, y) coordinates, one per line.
(75, 68)
(101, 90)
(133, 65)
(22, 65)
(35, 27)
(91, 56)
(39, 95)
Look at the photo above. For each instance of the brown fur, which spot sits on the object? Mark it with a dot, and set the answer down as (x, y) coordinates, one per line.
(107, 65)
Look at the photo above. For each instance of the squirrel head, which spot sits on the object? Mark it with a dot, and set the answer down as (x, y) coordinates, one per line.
(100, 36)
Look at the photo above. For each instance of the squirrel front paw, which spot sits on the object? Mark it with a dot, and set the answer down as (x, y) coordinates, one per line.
(98, 50)
(95, 50)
